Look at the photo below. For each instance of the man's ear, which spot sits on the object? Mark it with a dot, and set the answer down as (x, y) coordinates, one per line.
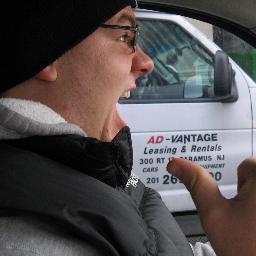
(48, 74)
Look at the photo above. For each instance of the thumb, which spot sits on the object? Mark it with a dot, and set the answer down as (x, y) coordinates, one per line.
(198, 181)
(247, 178)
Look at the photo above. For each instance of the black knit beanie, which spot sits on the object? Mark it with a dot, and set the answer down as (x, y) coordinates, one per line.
(36, 33)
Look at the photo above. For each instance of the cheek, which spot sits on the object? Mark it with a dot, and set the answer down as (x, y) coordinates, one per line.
(102, 68)
(113, 73)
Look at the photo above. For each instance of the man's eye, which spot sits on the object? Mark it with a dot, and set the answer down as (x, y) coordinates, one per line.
(126, 38)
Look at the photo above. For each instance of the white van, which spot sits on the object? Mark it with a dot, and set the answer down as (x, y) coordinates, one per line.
(196, 104)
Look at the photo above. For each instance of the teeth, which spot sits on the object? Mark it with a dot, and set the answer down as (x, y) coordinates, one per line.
(126, 94)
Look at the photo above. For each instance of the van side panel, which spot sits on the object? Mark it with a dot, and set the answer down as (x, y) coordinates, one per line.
(216, 135)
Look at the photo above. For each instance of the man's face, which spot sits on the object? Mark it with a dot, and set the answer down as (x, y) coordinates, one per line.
(101, 69)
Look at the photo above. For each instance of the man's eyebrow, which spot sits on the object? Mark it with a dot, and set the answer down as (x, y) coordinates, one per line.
(127, 17)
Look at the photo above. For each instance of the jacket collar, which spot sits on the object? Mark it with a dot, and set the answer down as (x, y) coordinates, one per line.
(109, 162)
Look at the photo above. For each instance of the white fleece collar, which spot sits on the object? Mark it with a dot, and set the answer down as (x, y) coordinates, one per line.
(24, 118)
(33, 110)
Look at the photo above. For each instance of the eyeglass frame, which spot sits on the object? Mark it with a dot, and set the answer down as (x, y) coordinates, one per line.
(134, 29)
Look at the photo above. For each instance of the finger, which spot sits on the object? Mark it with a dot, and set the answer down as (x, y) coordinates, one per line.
(246, 175)
(198, 181)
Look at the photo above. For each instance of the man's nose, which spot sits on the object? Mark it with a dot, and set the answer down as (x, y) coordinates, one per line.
(142, 64)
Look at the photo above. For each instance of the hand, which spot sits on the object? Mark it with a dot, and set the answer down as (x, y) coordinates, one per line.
(230, 224)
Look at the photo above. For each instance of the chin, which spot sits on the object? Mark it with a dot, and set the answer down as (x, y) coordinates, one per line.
(115, 124)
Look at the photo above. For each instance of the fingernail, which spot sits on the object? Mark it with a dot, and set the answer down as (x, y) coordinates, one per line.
(174, 169)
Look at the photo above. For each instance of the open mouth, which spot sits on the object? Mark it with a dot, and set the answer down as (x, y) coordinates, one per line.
(126, 94)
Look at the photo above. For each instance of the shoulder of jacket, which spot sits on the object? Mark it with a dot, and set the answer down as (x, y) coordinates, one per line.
(36, 236)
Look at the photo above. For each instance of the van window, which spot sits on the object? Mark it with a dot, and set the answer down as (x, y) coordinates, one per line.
(183, 66)
(240, 51)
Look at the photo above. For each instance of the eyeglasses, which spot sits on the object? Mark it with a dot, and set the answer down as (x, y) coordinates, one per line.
(131, 41)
